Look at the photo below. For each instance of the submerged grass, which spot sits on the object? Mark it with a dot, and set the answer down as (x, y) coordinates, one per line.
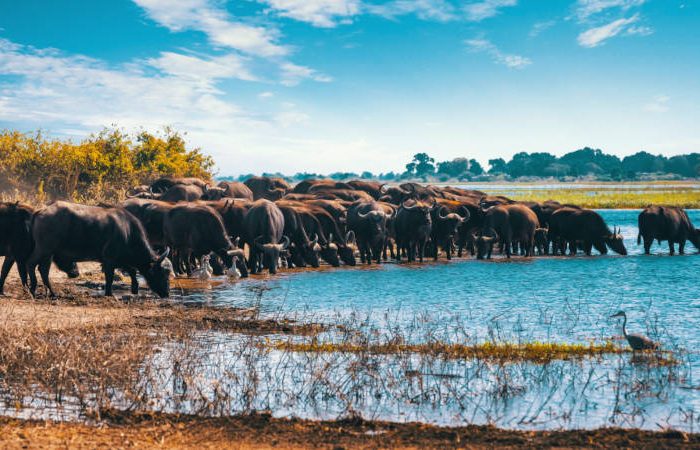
(608, 198)
(536, 352)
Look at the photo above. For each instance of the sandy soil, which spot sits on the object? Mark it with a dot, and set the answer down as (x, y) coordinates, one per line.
(262, 431)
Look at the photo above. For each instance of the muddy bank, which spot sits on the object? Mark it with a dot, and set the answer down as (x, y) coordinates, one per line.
(263, 431)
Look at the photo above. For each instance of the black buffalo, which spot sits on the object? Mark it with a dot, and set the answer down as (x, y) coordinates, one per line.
(584, 228)
(666, 223)
(195, 230)
(267, 188)
(413, 226)
(15, 239)
(236, 189)
(264, 233)
(507, 224)
(368, 220)
(112, 236)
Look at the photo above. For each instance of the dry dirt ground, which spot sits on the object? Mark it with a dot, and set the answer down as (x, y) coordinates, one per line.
(80, 309)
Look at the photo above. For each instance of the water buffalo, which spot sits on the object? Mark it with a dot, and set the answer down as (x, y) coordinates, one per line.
(182, 193)
(507, 224)
(112, 236)
(666, 223)
(213, 193)
(151, 214)
(373, 188)
(349, 195)
(263, 232)
(233, 212)
(446, 227)
(162, 184)
(413, 226)
(395, 195)
(236, 189)
(584, 226)
(302, 249)
(15, 239)
(542, 241)
(195, 230)
(267, 188)
(368, 220)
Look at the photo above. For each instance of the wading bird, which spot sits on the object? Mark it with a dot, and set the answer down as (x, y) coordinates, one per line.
(205, 271)
(636, 341)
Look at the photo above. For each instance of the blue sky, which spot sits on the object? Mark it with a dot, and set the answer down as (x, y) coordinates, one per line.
(329, 85)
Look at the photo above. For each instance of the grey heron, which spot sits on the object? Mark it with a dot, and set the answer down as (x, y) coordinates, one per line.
(636, 341)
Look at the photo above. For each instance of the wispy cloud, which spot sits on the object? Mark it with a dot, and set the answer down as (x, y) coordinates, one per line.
(484, 9)
(320, 13)
(541, 27)
(659, 104)
(437, 10)
(221, 29)
(585, 9)
(480, 45)
(597, 36)
(293, 74)
(203, 70)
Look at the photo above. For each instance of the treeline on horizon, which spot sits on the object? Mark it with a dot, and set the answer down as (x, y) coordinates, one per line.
(583, 164)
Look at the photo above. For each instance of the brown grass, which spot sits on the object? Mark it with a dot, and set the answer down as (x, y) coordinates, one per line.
(263, 431)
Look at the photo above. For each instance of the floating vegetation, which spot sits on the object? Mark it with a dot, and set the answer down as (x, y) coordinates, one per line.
(537, 352)
(607, 198)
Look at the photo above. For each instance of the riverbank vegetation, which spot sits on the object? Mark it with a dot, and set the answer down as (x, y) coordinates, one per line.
(101, 167)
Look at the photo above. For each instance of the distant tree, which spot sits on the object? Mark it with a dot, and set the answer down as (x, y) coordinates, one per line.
(422, 165)
(367, 175)
(453, 168)
(580, 162)
(497, 165)
(475, 168)
(642, 162)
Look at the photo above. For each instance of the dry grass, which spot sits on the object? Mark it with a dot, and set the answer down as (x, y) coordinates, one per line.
(263, 431)
(537, 352)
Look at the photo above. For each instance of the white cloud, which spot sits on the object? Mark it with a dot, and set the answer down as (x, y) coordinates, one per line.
(266, 95)
(220, 28)
(587, 8)
(658, 104)
(541, 27)
(479, 45)
(486, 8)
(438, 10)
(320, 13)
(202, 70)
(83, 93)
(597, 36)
(293, 74)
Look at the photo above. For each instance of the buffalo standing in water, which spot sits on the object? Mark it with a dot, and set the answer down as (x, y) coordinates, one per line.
(666, 223)
(112, 236)
(583, 226)
(263, 231)
(507, 224)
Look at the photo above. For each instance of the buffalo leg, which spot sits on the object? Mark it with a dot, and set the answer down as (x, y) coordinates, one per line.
(647, 245)
(588, 247)
(6, 266)
(109, 279)
(134, 282)
(670, 247)
(681, 247)
(44, 269)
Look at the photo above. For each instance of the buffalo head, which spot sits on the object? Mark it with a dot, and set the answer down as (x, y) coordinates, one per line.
(157, 274)
(272, 252)
(347, 252)
(616, 242)
(484, 243)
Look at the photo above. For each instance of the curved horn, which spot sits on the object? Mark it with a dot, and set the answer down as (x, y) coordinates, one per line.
(363, 216)
(163, 255)
(257, 244)
(236, 252)
(314, 241)
(408, 208)
(350, 237)
(330, 237)
(286, 242)
(467, 215)
(237, 242)
(383, 188)
(442, 210)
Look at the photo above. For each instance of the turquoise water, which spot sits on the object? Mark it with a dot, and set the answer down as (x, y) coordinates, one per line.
(554, 299)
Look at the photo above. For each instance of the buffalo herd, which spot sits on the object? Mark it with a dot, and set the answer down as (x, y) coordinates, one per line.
(174, 225)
